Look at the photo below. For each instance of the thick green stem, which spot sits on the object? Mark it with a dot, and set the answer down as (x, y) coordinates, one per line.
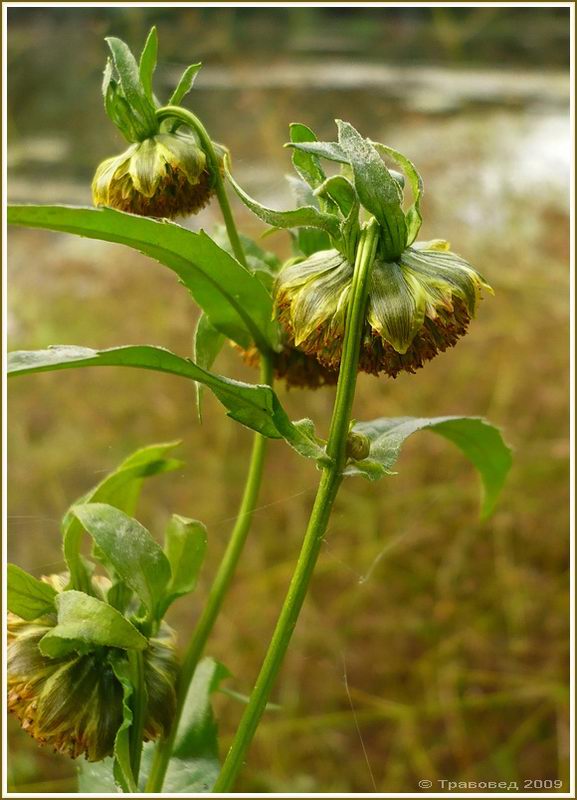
(139, 706)
(326, 494)
(217, 592)
(188, 118)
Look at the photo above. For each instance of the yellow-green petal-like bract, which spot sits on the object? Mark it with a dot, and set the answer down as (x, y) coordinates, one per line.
(74, 703)
(419, 305)
(166, 175)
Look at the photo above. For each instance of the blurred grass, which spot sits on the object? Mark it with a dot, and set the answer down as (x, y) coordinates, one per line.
(453, 633)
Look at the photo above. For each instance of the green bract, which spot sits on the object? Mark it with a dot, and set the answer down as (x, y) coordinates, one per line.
(71, 699)
(418, 306)
(165, 172)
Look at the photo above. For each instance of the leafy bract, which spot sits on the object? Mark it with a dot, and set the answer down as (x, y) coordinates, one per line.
(234, 300)
(133, 553)
(185, 84)
(28, 597)
(257, 407)
(377, 190)
(147, 63)
(306, 216)
(86, 623)
(121, 764)
(207, 344)
(185, 543)
(477, 439)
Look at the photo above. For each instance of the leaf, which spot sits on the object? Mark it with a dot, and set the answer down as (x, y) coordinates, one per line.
(28, 597)
(185, 84)
(84, 622)
(194, 765)
(147, 63)
(307, 216)
(479, 441)
(378, 192)
(332, 151)
(207, 344)
(413, 215)
(257, 407)
(132, 88)
(121, 766)
(306, 164)
(261, 262)
(121, 489)
(185, 547)
(136, 557)
(235, 301)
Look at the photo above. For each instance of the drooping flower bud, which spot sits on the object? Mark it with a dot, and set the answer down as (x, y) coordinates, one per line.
(165, 172)
(163, 176)
(74, 703)
(419, 305)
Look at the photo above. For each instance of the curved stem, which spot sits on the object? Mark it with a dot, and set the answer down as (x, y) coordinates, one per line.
(188, 118)
(326, 494)
(217, 592)
(139, 705)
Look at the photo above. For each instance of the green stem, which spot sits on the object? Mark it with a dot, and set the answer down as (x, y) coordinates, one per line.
(139, 706)
(217, 592)
(326, 494)
(188, 118)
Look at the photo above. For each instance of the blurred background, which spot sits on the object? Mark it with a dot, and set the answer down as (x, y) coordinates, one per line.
(451, 635)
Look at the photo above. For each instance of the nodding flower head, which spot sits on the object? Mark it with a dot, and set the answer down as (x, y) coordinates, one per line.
(421, 296)
(165, 172)
(419, 305)
(163, 176)
(74, 703)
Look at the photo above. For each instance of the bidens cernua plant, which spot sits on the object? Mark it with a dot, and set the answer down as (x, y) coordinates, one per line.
(93, 669)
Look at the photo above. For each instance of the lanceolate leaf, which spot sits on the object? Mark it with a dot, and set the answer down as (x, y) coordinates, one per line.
(136, 557)
(378, 192)
(413, 215)
(478, 440)
(307, 216)
(185, 84)
(85, 622)
(28, 597)
(132, 87)
(207, 344)
(147, 63)
(120, 489)
(257, 407)
(235, 301)
(121, 766)
(185, 546)
(306, 164)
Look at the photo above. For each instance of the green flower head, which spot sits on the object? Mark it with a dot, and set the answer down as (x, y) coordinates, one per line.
(74, 703)
(165, 171)
(419, 305)
(421, 295)
(163, 176)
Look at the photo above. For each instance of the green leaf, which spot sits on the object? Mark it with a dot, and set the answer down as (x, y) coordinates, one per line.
(185, 547)
(479, 441)
(413, 215)
(235, 301)
(257, 407)
(378, 192)
(147, 63)
(84, 622)
(306, 164)
(121, 489)
(136, 557)
(263, 263)
(28, 597)
(185, 84)
(332, 151)
(122, 767)
(132, 88)
(307, 216)
(207, 344)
